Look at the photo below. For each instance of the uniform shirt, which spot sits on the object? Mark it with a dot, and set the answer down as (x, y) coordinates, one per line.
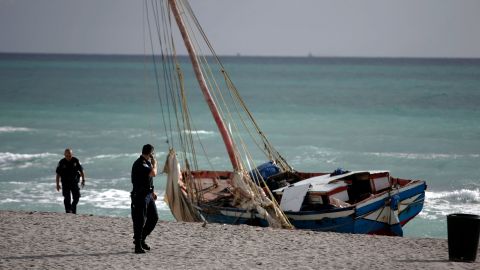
(141, 179)
(69, 171)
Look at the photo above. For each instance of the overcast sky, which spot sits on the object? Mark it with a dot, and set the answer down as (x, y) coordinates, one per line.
(377, 28)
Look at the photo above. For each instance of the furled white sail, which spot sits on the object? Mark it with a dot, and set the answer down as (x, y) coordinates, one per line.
(179, 204)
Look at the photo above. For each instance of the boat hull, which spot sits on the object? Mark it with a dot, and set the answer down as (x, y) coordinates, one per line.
(372, 216)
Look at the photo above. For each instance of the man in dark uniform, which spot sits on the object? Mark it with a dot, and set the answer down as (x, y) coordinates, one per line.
(69, 171)
(144, 210)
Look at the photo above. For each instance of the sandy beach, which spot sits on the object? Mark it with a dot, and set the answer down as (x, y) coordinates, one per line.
(37, 240)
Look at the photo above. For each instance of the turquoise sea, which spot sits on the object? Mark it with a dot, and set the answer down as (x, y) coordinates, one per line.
(417, 118)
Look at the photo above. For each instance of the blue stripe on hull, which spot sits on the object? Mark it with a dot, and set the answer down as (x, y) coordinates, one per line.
(367, 226)
(420, 189)
(343, 224)
(219, 218)
(234, 218)
(412, 210)
(370, 207)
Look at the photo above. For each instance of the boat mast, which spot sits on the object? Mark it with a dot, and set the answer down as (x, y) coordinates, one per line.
(203, 86)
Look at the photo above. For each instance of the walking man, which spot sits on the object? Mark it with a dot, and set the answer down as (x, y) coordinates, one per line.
(69, 170)
(144, 210)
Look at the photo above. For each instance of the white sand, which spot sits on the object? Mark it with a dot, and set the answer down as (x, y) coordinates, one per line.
(64, 241)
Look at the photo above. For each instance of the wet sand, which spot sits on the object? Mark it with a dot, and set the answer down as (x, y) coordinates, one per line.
(37, 240)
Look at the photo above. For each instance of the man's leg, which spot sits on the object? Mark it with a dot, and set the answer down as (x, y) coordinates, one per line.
(75, 197)
(152, 218)
(138, 217)
(67, 199)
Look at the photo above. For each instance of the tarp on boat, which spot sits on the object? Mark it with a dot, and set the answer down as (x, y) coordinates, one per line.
(293, 197)
(264, 171)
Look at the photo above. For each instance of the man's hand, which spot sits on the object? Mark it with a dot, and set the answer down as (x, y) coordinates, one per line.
(83, 182)
(154, 196)
(58, 187)
(153, 161)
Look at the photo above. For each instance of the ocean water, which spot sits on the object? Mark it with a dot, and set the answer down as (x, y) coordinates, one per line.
(417, 118)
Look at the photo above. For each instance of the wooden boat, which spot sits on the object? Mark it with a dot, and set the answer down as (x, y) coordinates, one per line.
(368, 202)
(271, 194)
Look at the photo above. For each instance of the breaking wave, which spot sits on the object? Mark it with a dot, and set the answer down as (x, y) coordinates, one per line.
(311, 155)
(93, 159)
(202, 132)
(113, 199)
(89, 160)
(424, 156)
(439, 204)
(107, 198)
(104, 201)
(12, 160)
(10, 129)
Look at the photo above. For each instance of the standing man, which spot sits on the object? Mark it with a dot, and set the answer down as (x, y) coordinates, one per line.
(144, 210)
(69, 171)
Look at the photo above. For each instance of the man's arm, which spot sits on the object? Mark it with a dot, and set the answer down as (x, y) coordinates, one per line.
(58, 182)
(153, 172)
(82, 174)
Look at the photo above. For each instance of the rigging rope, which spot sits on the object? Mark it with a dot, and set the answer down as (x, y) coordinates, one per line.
(156, 74)
(234, 90)
(174, 107)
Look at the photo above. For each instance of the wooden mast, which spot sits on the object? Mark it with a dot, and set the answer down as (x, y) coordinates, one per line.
(203, 86)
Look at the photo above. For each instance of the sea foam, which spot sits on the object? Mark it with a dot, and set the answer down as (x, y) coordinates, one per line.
(199, 132)
(421, 156)
(44, 196)
(10, 129)
(439, 204)
(114, 199)
(10, 161)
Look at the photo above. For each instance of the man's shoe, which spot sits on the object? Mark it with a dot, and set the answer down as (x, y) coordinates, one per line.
(144, 245)
(138, 248)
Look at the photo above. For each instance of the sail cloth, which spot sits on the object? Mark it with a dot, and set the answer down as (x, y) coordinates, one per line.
(179, 204)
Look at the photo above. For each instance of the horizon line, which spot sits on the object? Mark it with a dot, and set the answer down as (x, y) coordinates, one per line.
(309, 55)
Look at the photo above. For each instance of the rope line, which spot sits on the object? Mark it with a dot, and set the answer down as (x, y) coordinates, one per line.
(173, 99)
